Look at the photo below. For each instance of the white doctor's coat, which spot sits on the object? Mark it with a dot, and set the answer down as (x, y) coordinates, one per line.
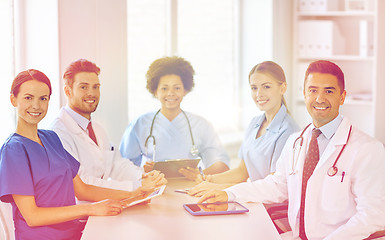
(336, 208)
(100, 165)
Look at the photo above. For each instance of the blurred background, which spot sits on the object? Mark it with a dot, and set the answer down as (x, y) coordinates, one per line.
(223, 40)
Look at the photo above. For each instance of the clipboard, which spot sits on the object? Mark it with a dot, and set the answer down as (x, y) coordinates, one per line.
(170, 168)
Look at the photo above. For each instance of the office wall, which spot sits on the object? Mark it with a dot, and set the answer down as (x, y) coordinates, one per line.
(96, 30)
(282, 41)
(36, 44)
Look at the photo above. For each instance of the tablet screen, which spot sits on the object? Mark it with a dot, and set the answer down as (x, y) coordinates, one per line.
(215, 208)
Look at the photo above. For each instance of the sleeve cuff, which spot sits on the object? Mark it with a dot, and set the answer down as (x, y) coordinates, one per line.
(136, 184)
(231, 196)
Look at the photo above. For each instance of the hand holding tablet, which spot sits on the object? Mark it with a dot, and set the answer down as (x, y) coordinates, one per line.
(157, 192)
(170, 168)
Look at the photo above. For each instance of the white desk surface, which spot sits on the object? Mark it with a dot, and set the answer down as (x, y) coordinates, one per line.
(166, 219)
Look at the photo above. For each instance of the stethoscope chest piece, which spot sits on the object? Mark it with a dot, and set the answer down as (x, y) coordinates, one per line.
(194, 151)
(332, 171)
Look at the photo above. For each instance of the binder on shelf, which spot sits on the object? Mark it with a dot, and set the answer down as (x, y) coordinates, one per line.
(301, 68)
(366, 35)
(318, 5)
(361, 96)
(356, 5)
(327, 5)
(306, 5)
(319, 38)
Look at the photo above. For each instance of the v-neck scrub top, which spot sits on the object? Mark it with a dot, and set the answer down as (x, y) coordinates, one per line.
(261, 154)
(172, 138)
(27, 168)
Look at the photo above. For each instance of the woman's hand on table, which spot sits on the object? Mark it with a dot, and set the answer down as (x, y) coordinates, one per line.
(192, 174)
(105, 207)
(139, 193)
(148, 166)
(153, 179)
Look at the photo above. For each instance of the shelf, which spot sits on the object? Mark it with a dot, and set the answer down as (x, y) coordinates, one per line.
(367, 103)
(300, 100)
(336, 14)
(348, 101)
(358, 54)
(337, 57)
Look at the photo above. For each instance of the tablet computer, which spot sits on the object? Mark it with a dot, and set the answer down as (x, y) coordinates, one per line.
(220, 208)
(170, 168)
(155, 193)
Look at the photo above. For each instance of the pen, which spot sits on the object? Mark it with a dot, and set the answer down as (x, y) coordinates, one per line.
(342, 176)
(201, 172)
(182, 191)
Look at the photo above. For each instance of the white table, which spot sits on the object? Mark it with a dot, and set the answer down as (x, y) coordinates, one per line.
(166, 219)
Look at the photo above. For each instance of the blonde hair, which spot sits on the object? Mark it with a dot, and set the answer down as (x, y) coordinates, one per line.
(274, 70)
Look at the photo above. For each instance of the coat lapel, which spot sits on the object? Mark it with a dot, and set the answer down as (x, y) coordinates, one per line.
(335, 145)
(74, 128)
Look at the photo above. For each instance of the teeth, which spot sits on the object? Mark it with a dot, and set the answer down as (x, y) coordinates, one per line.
(262, 102)
(170, 100)
(320, 108)
(34, 114)
(90, 101)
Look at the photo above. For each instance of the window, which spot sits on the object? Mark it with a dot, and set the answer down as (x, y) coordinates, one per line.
(205, 36)
(29, 39)
(7, 119)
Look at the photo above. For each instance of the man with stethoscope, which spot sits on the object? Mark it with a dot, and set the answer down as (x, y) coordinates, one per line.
(331, 173)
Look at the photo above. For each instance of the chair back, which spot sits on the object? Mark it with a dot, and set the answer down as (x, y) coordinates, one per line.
(380, 235)
(7, 229)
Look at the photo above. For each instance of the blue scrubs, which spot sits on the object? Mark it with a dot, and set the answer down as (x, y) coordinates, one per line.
(173, 139)
(27, 168)
(261, 154)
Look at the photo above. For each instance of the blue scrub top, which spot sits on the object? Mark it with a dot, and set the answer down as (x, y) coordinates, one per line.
(27, 168)
(173, 139)
(261, 154)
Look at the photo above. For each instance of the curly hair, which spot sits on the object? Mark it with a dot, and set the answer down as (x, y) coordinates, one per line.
(167, 66)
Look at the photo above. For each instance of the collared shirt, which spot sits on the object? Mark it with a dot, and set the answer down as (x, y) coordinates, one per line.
(79, 119)
(260, 154)
(328, 130)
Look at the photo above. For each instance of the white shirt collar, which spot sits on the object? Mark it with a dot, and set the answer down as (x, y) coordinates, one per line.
(79, 119)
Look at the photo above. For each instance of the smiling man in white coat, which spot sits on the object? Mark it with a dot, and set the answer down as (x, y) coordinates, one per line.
(86, 140)
(331, 173)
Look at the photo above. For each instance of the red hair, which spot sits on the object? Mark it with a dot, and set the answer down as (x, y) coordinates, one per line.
(81, 65)
(28, 75)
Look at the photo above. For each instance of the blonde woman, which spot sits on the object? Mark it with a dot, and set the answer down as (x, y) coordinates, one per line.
(266, 134)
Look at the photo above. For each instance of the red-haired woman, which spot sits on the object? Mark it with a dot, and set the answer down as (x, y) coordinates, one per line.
(39, 177)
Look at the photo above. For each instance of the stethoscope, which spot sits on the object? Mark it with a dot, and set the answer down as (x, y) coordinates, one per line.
(194, 150)
(332, 171)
